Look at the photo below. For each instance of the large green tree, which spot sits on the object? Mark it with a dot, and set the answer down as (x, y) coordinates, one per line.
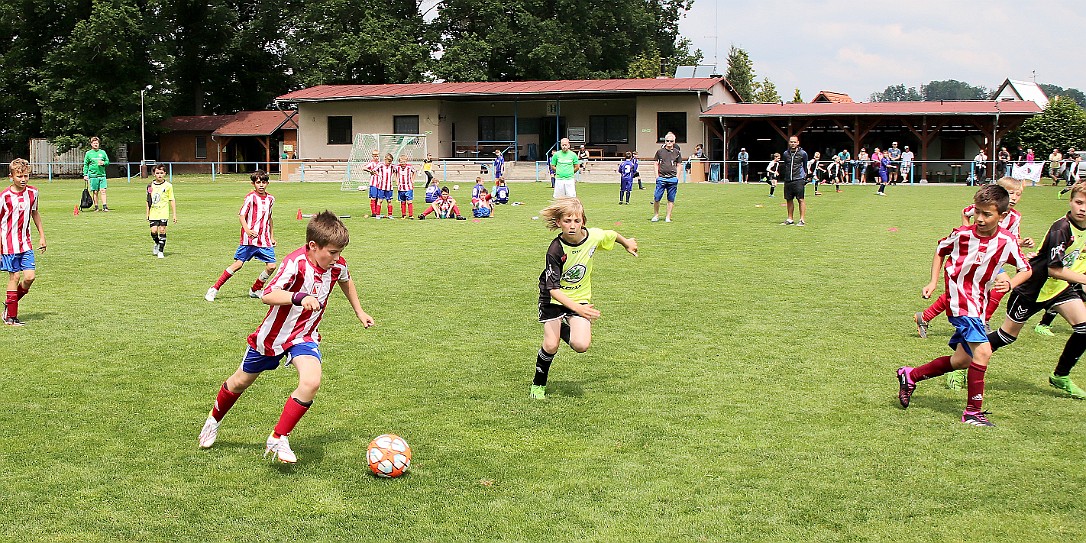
(511, 40)
(1055, 90)
(765, 92)
(1062, 124)
(897, 93)
(741, 73)
(952, 89)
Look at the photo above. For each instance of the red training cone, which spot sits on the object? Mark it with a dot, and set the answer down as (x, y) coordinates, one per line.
(299, 217)
(75, 210)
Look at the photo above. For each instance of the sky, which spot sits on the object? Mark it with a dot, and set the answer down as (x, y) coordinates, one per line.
(841, 46)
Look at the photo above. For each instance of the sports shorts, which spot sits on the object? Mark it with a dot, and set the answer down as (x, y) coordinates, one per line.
(793, 190)
(967, 330)
(158, 222)
(98, 183)
(246, 253)
(1020, 308)
(17, 262)
(373, 192)
(481, 212)
(405, 195)
(254, 362)
(384, 194)
(549, 312)
(564, 188)
(670, 185)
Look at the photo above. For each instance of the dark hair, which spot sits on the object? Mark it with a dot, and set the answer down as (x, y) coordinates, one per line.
(158, 167)
(259, 175)
(326, 229)
(444, 189)
(629, 155)
(993, 195)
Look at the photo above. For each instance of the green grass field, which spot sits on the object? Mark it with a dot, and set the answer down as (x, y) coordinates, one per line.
(740, 384)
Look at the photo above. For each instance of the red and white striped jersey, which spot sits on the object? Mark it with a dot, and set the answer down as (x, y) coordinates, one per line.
(287, 325)
(406, 176)
(16, 212)
(971, 262)
(257, 214)
(1012, 222)
(383, 176)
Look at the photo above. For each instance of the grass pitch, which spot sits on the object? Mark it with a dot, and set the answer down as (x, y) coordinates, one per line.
(740, 385)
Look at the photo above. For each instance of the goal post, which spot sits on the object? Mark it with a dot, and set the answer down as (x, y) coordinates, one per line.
(363, 146)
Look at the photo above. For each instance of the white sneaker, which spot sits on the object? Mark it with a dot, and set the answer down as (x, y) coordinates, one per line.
(667, 219)
(210, 432)
(280, 447)
(211, 292)
(154, 249)
(161, 254)
(655, 218)
(254, 294)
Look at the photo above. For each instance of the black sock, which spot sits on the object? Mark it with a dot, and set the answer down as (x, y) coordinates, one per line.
(564, 332)
(154, 238)
(999, 339)
(771, 189)
(162, 242)
(1047, 319)
(1076, 345)
(543, 361)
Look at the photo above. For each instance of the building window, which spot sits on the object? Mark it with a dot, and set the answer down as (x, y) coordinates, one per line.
(405, 124)
(671, 121)
(339, 130)
(496, 129)
(608, 129)
(201, 146)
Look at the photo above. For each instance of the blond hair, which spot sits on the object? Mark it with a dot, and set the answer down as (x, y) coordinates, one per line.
(19, 165)
(326, 229)
(560, 208)
(95, 139)
(1010, 183)
(1079, 187)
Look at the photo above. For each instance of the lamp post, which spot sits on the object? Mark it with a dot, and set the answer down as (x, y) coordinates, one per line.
(143, 136)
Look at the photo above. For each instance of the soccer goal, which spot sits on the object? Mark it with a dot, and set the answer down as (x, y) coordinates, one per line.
(412, 145)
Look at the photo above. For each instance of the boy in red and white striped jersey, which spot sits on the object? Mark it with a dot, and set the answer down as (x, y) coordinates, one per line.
(371, 166)
(973, 255)
(383, 178)
(298, 296)
(18, 206)
(257, 237)
(405, 189)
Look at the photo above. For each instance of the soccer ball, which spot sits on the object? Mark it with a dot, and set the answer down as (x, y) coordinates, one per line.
(456, 187)
(388, 455)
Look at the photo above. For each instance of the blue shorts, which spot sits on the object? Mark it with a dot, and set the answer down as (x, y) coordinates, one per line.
(669, 184)
(246, 253)
(626, 185)
(384, 195)
(373, 192)
(255, 362)
(405, 195)
(482, 212)
(967, 330)
(17, 262)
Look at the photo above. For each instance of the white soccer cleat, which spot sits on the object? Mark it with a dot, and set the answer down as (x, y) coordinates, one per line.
(280, 447)
(161, 254)
(211, 292)
(254, 294)
(154, 250)
(210, 432)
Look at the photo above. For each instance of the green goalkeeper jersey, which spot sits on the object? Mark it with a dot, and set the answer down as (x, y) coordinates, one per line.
(91, 167)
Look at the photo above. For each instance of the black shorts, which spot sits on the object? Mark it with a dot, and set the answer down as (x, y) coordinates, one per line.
(794, 189)
(550, 312)
(1020, 308)
(158, 222)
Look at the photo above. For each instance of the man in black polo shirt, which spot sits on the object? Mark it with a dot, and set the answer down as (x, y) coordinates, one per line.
(794, 166)
(667, 162)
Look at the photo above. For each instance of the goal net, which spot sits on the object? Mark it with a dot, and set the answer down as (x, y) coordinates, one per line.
(358, 176)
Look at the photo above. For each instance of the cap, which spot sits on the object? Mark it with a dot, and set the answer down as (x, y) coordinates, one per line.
(742, 148)
(906, 146)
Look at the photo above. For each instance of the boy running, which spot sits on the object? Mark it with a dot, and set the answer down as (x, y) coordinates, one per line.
(18, 206)
(973, 256)
(257, 236)
(160, 203)
(298, 296)
(565, 286)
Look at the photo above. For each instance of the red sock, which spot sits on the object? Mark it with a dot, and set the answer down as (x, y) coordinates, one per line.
(975, 379)
(226, 275)
(12, 305)
(410, 209)
(937, 307)
(292, 412)
(935, 368)
(403, 209)
(21, 289)
(993, 304)
(389, 209)
(223, 402)
(258, 285)
(373, 206)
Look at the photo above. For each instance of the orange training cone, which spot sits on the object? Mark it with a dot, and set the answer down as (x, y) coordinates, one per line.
(75, 210)
(299, 217)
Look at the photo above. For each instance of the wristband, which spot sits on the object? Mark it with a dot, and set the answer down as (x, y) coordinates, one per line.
(298, 297)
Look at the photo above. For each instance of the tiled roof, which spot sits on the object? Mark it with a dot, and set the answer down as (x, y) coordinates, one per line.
(257, 123)
(830, 96)
(970, 107)
(195, 123)
(578, 86)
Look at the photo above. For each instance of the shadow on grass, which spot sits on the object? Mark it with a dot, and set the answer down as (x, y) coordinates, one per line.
(573, 389)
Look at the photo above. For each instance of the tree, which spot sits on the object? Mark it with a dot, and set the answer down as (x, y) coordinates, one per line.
(897, 93)
(953, 89)
(645, 65)
(796, 97)
(1053, 91)
(1062, 124)
(765, 92)
(90, 85)
(741, 73)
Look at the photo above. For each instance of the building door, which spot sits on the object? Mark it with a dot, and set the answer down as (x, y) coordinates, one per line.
(550, 131)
